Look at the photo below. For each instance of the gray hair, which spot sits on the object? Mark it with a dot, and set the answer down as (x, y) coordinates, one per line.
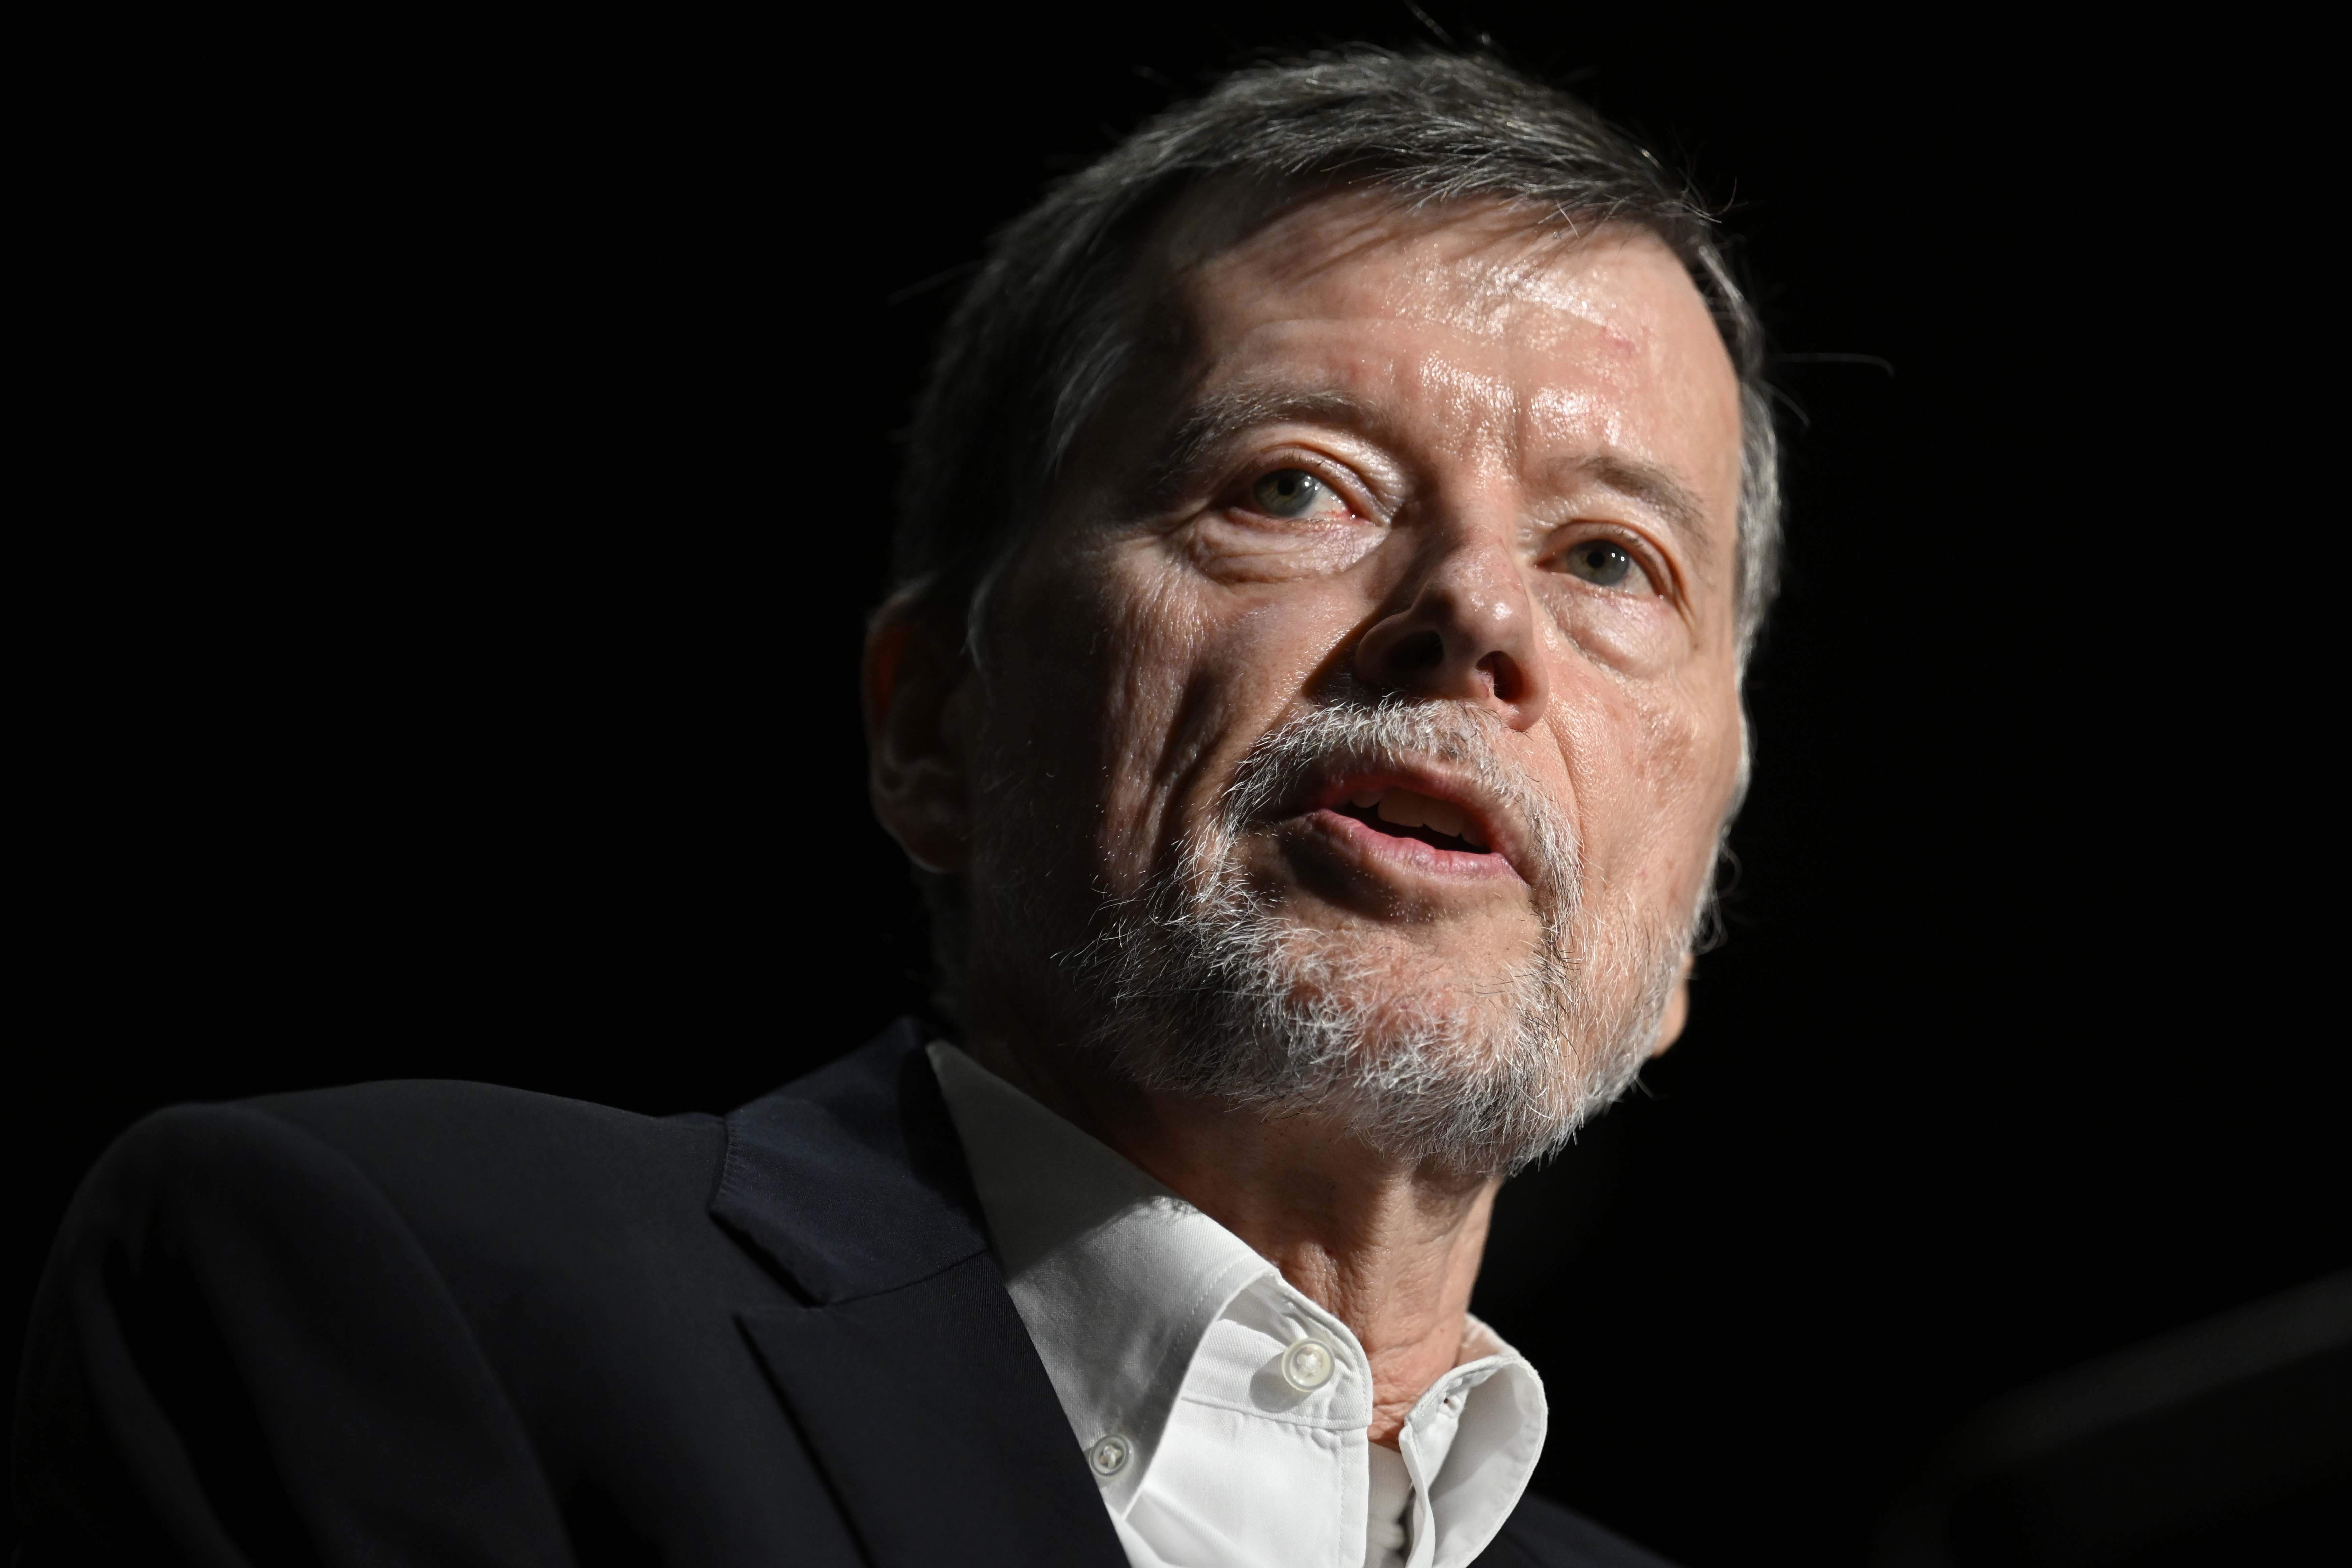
(1046, 328)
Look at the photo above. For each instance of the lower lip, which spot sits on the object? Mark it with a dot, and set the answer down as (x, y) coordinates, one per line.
(1385, 852)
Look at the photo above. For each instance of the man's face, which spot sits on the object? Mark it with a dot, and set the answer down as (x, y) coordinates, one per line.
(1385, 618)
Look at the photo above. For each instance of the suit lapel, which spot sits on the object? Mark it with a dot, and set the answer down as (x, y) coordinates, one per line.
(851, 1181)
(908, 1371)
(935, 1425)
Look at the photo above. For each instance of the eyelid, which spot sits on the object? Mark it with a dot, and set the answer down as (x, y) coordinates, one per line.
(1656, 563)
(1354, 492)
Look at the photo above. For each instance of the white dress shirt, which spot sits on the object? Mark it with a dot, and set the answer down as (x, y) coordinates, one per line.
(1225, 1416)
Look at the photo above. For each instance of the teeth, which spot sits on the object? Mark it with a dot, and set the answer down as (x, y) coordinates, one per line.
(1410, 808)
(1442, 817)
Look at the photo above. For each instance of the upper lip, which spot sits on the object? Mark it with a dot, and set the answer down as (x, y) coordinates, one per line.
(1504, 834)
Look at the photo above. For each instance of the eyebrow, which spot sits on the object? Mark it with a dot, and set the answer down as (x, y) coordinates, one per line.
(1216, 418)
(1659, 490)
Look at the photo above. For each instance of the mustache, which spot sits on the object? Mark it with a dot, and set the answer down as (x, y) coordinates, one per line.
(1320, 740)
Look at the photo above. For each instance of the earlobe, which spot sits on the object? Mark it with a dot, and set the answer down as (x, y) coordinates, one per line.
(1670, 1027)
(914, 767)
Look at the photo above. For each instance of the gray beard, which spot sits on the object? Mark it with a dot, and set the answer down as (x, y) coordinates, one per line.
(1196, 988)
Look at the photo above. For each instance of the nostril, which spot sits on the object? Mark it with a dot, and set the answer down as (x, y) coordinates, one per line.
(1502, 675)
(1422, 650)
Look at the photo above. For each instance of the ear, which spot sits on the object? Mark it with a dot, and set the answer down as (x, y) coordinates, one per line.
(1670, 1027)
(915, 769)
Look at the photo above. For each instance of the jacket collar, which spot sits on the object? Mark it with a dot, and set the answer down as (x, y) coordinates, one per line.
(851, 1181)
(851, 1184)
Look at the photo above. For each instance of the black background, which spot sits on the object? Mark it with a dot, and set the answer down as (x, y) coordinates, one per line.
(458, 463)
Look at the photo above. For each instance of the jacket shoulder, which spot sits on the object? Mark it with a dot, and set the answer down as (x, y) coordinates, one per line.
(439, 1314)
(552, 1194)
(235, 1327)
(528, 1206)
(417, 1135)
(1540, 1533)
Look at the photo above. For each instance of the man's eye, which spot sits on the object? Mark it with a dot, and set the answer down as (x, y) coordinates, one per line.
(1291, 493)
(1605, 564)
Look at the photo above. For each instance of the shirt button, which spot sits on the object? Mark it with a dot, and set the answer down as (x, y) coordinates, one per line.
(1307, 1366)
(1110, 1455)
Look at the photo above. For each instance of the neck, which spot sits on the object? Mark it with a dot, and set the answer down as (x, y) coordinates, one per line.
(1388, 1248)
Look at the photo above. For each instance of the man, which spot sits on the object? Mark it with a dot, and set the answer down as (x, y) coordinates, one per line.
(1332, 536)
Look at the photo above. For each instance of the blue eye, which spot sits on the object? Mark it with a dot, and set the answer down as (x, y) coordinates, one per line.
(1290, 493)
(1602, 563)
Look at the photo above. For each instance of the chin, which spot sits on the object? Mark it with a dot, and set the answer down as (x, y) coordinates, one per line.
(1400, 998)
(1426, 1062)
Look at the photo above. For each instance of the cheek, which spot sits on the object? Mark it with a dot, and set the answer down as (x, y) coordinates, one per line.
(1196, 671)
(1205, 669)
(1653, 769)
(1635, 635)
(1126, 685)
(1148, 657)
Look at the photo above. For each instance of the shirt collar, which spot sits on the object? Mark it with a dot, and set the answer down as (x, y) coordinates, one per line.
(1120, 1280)
(1117, 1277)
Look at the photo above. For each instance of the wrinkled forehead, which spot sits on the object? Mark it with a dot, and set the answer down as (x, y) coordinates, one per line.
(1541, 331)
(1496, 262)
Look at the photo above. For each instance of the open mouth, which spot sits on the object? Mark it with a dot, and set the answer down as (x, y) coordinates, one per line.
(1402, 813)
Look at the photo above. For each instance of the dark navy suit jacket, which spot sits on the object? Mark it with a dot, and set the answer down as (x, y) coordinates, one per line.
(447, 1323)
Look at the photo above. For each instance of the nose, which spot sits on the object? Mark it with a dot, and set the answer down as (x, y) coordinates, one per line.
(1465, 630)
